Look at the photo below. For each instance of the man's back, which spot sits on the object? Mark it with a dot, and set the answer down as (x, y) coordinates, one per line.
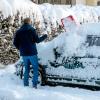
(25, 40)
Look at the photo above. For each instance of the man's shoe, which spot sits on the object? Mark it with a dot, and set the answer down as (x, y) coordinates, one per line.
(35, 87)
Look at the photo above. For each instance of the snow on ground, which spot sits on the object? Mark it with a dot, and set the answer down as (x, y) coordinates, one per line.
(11, 88)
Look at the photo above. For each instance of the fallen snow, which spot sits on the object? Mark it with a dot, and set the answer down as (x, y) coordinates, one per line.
(27, 8)
(71, 43)
(11, 88)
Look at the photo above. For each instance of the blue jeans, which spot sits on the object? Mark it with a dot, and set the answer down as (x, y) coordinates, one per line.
(34, 61)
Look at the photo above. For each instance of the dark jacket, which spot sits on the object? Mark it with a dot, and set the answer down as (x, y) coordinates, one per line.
(25, 40)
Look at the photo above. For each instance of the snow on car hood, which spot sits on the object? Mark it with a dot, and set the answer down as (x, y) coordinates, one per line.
(71, 43)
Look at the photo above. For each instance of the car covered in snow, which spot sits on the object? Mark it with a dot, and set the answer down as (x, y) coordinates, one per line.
(73, 57)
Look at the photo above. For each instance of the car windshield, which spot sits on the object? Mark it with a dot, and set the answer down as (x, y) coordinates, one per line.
(93, 40)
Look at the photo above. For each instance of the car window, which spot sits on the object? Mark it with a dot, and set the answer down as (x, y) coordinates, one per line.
(93, 40)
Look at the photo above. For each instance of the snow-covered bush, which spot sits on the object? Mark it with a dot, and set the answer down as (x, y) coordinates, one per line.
(46, 18)
(8, 26)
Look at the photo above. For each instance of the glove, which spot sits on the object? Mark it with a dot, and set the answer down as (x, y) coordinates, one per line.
(45, 36)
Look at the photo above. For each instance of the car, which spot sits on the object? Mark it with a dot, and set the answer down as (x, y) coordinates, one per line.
(67, 64)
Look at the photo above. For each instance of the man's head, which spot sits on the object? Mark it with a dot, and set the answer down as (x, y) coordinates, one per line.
(27, 21)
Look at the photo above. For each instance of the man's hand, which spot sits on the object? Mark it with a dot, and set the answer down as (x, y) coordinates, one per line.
(45, 36)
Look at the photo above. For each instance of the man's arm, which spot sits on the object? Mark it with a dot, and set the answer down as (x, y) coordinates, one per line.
(36, 38)
(16, 41)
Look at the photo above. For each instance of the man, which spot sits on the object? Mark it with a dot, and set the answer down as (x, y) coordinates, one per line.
(25, 40)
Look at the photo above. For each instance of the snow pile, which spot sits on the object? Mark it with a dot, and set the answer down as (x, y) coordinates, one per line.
(47, 16)
(69, 44)
(24, 8)
(49, 13)
(86, 14)
(16, 5)
(11, 88)
(5, 8)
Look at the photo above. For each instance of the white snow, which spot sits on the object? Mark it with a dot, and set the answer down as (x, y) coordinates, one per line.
(11, 88)
(68, 43)
(51, 13)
